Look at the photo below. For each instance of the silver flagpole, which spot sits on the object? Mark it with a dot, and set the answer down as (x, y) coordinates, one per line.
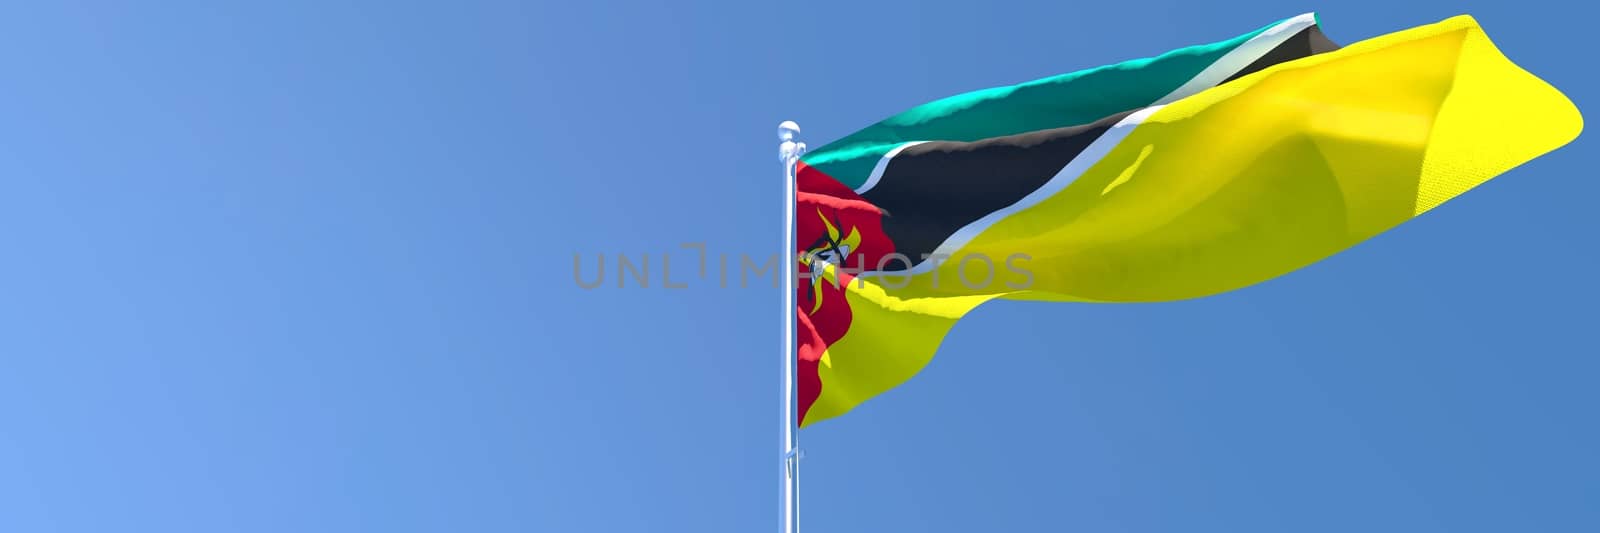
(789, 152)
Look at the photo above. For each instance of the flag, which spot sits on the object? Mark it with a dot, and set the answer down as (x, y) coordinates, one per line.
(1196, 172)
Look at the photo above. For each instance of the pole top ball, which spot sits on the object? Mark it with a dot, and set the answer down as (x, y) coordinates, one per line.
(788, 130)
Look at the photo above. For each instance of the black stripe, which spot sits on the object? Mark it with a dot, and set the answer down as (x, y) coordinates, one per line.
(930, 190)
(1306, 43)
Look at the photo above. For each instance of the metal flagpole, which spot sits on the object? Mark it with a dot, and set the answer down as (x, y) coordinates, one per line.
(789, 152)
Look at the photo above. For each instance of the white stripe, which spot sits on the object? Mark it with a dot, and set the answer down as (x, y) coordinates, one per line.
(883, 164)
(1081, 163)
(1240, 57)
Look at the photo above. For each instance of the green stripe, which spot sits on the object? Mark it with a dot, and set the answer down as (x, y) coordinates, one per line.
(1058, 101)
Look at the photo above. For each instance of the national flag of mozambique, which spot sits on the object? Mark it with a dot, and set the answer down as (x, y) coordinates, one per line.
(1199, 171)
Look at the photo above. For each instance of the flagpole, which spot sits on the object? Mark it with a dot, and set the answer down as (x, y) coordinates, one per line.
(789, 151)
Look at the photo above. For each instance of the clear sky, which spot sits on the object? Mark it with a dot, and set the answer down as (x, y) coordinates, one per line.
(307, 266)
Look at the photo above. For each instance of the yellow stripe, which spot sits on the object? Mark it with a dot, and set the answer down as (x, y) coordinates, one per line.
(1254, 179)
(891, 338)
(1497, 116)
(1234, 186)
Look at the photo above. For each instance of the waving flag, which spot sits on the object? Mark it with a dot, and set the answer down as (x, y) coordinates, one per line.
(1200, 171)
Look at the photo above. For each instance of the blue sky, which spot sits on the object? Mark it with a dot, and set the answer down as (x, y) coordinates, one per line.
(307, 266)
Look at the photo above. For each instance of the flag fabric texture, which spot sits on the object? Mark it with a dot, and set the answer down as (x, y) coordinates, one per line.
(1195, 172)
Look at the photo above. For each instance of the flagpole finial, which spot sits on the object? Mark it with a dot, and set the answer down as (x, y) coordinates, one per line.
(790, 147)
